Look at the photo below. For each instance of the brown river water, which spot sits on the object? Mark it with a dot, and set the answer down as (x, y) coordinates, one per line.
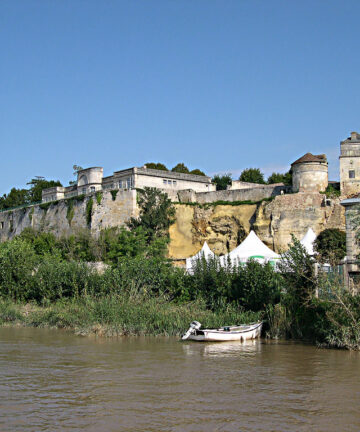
(54, 381)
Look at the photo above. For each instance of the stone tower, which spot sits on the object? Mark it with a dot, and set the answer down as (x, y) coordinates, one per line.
(350, 165)
(310, 173)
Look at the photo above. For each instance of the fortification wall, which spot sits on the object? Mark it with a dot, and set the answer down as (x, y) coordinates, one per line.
(222, 226)
(69, 216)
(255, 194)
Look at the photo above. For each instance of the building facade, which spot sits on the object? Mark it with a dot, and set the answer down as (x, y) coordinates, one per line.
(91, 180)
(350, 165)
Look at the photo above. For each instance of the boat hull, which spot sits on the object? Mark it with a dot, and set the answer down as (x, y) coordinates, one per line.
(244, 333)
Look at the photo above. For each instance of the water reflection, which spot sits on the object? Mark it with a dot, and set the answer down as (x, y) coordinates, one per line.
(222, 349)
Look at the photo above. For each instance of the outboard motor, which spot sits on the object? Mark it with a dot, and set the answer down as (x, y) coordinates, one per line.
(195, 325)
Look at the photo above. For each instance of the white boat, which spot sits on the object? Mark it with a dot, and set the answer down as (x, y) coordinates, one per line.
(231, 333)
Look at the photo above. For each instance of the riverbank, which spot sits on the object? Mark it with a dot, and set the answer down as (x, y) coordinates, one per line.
(119, 315)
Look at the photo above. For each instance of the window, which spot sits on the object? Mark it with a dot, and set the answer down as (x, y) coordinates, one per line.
(352, 174)
(165, 182)
(128, 182)
(1, 225)
(120, 184)
(92, 189)
(169, 182)
(174, 182)
(83, 190)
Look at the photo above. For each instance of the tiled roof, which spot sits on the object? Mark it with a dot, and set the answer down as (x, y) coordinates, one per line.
(309, 157)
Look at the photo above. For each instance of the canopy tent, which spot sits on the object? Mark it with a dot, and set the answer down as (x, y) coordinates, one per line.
(308, 241)
(251, 248)
(205, 252)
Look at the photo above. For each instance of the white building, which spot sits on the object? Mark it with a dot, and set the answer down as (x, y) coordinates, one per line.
(90, 180)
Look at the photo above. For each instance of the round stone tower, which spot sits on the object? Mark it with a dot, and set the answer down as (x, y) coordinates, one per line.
(310, 173)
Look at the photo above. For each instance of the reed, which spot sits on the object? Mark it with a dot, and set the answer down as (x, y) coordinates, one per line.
(116, 315)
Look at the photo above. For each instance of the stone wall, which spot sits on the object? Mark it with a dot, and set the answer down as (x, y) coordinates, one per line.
(222, 226)
(67, 217)
(254, 194)
(310, 177)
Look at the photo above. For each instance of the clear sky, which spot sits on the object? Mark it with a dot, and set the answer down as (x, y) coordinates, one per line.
(219, 85)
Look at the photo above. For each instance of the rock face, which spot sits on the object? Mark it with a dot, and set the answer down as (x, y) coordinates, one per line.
(66, 217)
(224, 226)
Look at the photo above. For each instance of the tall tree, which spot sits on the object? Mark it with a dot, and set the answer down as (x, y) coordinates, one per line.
(252, 175)
(222, 181)
(38, 184)
(156, 165)
(180, 168)
(285, 178)
(14, 198)
(197, 172)
(330, 245)
(156, 213)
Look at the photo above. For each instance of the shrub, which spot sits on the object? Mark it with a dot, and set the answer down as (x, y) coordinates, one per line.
(17, 264)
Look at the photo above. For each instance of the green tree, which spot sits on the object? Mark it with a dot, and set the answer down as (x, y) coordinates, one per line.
(285, 178)
(15, 198)
(156, 215)
(222, 181)
(180, 168)
(252, 175)
(38, 184)
(76, 169)
(330, 245)
(157, 166)
(197, 172)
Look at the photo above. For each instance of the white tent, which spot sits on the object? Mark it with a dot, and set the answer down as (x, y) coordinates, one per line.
(205, 252)
(251, 248)
(308, 241)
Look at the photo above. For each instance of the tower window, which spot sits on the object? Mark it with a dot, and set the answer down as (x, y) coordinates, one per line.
(352, 174)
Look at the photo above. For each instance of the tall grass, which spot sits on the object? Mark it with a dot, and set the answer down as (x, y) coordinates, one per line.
(116, 315)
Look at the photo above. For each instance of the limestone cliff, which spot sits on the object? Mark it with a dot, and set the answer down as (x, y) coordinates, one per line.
(224, 226)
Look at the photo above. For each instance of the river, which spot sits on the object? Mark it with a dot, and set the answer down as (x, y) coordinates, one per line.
(54, 381)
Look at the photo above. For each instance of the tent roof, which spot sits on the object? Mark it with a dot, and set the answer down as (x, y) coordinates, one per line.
(204, 251)
(252, 246)
(308, 241)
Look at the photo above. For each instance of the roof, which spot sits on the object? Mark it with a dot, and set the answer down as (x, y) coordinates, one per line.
(350, 201)
(309, 157)
(308, 241)
(205, 252)
(252, 246)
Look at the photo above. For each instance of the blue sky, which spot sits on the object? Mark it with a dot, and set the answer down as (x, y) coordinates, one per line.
(220, 85)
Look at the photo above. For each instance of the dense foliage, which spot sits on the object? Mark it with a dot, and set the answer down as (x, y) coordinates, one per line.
(330, 245)
(180, 168)
(285, 178)
(156, 165)
(156, 213)
(18, 197)
(252, 175)
(222, 181)
(38, 267)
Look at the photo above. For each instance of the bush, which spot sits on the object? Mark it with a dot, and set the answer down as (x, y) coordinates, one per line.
(17, 263)
(330, 245)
